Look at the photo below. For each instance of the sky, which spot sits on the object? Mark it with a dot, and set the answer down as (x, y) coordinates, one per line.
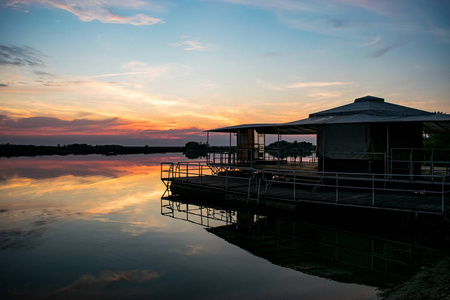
(140, 72)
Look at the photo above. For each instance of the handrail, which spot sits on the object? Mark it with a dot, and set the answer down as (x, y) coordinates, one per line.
(260, 180)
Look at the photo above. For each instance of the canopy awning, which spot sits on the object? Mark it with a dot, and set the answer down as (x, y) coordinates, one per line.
(432, 123)
(364, 110)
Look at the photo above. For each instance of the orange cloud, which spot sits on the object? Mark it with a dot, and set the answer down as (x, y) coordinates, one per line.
(46, 126)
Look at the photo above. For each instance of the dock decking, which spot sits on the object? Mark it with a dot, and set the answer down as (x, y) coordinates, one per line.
(294, 187)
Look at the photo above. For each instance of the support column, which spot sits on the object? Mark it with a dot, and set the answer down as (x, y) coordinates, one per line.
(387, 164)
(208, 157)
(252, 147)
(278, 149)
(323, 149)
(229, 151)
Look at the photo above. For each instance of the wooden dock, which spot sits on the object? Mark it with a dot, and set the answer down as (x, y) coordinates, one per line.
(293, 191)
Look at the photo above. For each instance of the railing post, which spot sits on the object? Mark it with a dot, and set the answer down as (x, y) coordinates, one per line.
(259, 189)
(373, 189)
(265, 181)
(391, 164)
(201, 172)
(294, 185)
(411, 167)
(432, 164)
(443, 192)
(226, 179)
(337, 187)
(187, 172)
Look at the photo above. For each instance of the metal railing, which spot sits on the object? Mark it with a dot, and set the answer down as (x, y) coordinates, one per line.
(372, 190)
(338, 187)
(398, 161)
(195, 172)
(237, 156)
(410, 160)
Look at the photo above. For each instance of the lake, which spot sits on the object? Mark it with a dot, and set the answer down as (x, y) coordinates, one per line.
(96, 227)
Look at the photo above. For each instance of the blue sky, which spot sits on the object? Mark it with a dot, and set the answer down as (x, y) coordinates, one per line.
(160, 72)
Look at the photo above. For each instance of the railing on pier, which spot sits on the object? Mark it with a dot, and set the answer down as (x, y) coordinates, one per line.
(426, 193)
(237, 156)
(419, 193)
(413, 160)
(409, 161)
(197, 172)
(197, 214)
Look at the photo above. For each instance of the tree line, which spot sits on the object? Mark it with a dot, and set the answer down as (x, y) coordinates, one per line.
(11, 150)
(290, 149)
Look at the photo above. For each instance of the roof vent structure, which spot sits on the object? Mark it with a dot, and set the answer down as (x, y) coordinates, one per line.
(371, 106)
(369, 99)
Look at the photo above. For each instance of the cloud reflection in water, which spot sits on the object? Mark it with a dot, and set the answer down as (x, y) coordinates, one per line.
(37, 192)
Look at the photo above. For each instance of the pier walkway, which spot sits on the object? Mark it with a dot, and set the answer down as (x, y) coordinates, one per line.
(295, 185)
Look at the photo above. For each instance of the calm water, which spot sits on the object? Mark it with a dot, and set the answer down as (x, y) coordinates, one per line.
(94, 227)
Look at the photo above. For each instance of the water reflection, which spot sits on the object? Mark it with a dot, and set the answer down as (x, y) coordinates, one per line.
(36, 192)
(91, 227)
(91, 165)
(311, 249)
(106, 285)
(67, 223)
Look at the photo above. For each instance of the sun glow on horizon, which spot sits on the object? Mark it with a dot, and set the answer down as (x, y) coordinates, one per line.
(138, 76)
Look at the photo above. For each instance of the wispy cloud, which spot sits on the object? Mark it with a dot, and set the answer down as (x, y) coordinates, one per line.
(291, 5)
(190, 45)
(100, 10)
(442, 34)
(391, 9)
(152, 72)
(355, 19)
(372, 42)
(302, 85)
(325, 95)
(384, 8)
(194, 45)
(20, 56)
(115, 74)
(382, 51)
(309, 15)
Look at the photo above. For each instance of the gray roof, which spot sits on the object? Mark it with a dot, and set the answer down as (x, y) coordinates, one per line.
(373, 106)
(364, 110)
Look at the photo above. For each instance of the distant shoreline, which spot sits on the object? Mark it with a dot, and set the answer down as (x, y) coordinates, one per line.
(9, 150)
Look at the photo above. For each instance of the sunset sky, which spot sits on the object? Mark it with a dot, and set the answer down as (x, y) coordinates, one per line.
(139, 72)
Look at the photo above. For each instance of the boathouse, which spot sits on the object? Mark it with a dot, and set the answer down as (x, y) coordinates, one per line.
(369, 156)
(364, 136)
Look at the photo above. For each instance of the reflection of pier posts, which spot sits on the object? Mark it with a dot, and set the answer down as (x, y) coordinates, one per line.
(312, 249)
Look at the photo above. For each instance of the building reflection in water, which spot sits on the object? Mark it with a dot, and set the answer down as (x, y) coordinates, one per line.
(286, 241)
